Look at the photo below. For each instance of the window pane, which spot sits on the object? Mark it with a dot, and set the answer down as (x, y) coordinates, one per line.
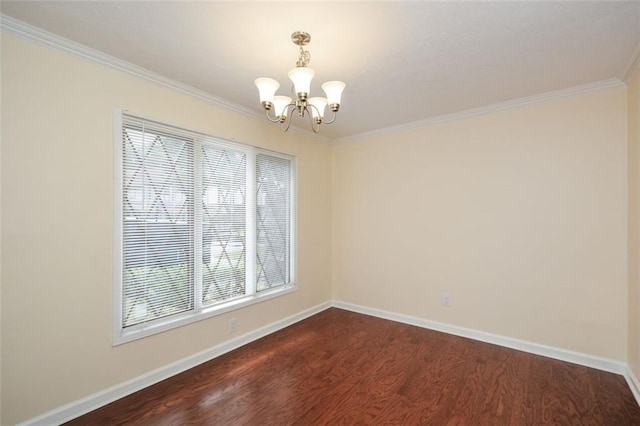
(273, 178)
(224, 193)
(187, 200)
(157, 224)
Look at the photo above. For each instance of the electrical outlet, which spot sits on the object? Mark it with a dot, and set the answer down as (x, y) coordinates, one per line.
(233, 325)
(446, 300)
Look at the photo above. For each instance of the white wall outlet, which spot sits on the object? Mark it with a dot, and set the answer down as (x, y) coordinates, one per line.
(446, 299)
(233, 325)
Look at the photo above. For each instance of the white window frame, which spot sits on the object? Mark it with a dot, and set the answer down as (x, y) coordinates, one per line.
(199, 312)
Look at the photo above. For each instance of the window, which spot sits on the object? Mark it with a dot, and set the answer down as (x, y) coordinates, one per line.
(203, 226)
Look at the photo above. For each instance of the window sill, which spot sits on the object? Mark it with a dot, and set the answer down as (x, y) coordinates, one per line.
(165, 324)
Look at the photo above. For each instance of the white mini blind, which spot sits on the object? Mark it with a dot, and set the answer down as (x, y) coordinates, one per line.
(224, 203)
(158, 222)
(204, 226)
(273, 179)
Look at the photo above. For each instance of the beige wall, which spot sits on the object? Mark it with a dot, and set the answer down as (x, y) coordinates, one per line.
(1, 35)
(520, 215)
(634, 224)
(57, 217)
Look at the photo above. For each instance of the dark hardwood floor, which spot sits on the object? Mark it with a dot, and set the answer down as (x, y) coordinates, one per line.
(343, 368)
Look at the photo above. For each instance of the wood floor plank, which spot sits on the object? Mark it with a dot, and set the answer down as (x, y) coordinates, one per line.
(339, 367)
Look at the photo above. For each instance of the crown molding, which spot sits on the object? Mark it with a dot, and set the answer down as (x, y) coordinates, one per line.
(26, 31)
(45, 38)
(632, 66)
(515, 103)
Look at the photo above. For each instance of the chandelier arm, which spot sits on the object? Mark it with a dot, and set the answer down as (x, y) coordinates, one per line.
(273, 120)
(309, 106)
(315, 126)
(315, 123)
(335, 114)
(284, 126)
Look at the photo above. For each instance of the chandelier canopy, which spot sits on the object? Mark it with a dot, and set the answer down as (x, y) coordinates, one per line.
(283, 107)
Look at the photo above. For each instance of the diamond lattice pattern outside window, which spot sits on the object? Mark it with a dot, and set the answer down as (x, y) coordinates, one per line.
(205, 224)
(157, 226)
(273, 175)
(224, 192)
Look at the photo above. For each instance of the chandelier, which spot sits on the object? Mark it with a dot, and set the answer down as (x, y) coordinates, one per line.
(283, 107)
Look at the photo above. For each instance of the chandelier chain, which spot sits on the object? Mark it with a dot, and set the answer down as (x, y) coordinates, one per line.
(303, 58)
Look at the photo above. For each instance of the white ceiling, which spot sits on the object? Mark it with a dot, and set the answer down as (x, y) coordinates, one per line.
(402, 61)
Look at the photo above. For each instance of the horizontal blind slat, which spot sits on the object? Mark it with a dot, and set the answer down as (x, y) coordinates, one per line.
(273, 180)
(160, 207)
(224, 194)
(158, 225)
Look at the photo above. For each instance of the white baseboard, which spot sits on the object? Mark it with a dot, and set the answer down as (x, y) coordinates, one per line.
(99, 399)
(634, 383)
(102, 398)
(521, 345)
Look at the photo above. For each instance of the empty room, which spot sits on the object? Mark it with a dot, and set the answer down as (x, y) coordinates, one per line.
(319, 213)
